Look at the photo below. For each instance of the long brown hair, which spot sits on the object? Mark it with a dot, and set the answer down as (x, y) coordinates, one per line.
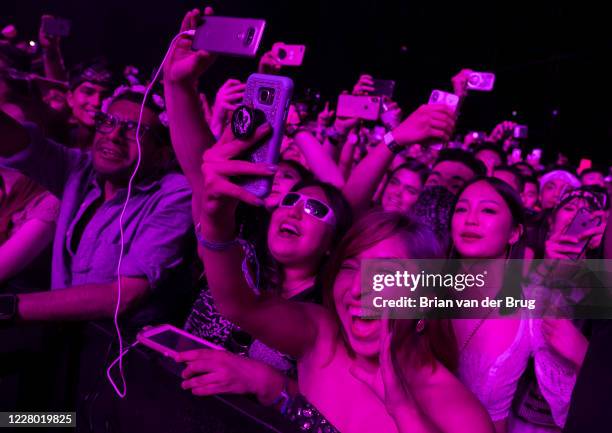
(436, 340)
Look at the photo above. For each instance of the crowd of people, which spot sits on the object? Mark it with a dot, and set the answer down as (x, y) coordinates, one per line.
(276, 280)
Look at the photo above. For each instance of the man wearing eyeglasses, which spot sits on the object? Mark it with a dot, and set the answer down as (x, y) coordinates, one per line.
(157, 222)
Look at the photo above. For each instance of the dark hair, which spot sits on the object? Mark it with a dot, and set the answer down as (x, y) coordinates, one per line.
(511, 285)
(510, 196)
(514, 172)
(531, 179)
(527, 166)
(95, 71)
(491, 147)
(463, 157)
(414, 166)
(595, 169)
(433, 208)
(344, 218)
(161, 132)
(436, 342)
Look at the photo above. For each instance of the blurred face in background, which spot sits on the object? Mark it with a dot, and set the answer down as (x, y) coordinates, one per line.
(402, 191)
(530, 195)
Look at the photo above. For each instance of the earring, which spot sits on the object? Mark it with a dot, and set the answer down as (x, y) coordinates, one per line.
(420, 326)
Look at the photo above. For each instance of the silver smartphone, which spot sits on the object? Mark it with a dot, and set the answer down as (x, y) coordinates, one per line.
(230, 36)
(270, 94)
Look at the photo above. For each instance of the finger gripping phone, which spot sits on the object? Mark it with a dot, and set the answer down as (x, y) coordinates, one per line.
(289, 55)
(270, 94)
(583, 221)
(230, 36)
(361, 107)
(170, 341)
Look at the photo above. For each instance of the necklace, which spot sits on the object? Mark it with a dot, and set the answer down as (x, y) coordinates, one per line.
(467, 341)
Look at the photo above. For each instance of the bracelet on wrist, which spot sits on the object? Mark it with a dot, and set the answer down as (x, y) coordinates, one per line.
(214, 246)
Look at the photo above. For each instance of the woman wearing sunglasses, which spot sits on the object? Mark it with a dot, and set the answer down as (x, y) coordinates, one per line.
(355, 375)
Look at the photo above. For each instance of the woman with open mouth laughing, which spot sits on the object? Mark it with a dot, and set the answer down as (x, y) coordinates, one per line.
(355, 375)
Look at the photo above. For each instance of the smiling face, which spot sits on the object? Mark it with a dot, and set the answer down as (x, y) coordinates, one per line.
(296, 238)
(85, 101)
(402, 191)
(115, 153)
(482, 226)
(363, 335)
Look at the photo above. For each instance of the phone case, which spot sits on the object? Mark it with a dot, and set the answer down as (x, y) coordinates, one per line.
(441, 97)
(582, 221)
(144, 338)
(276, 116)
(362, 107)
(289, 55)
(229, 36)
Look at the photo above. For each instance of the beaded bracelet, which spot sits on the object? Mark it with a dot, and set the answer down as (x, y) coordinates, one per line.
(214, 246)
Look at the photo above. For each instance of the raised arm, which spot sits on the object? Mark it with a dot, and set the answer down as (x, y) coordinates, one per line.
(52, 54)
(319, 161)
(189, 132)
(287, 326)
(427, 123)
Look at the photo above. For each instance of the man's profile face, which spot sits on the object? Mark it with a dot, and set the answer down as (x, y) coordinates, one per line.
(115, 149)
(85, 101)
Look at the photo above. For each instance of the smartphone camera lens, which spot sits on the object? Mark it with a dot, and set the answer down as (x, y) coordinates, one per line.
(248, 38)
(282, 53)
(266, 95)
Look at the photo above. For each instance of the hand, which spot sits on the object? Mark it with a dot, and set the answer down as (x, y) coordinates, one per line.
(429, 123)
(502, 131)
(184, 65)
(221, 195)
(392, 114)
(364, 85)
(227, 100)
(384, 383)
(325, 117)
(460, 82)
(560, 246)
(269, 64)
(565, 339)
(210, 372)
(47, 42)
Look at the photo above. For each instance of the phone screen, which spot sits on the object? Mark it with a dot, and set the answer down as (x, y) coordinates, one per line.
(176, 342)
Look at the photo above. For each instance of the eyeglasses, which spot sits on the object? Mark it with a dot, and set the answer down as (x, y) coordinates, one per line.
(312, 207)
(107, 123)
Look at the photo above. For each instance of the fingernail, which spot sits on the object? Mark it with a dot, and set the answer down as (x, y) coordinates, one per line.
(272, 167)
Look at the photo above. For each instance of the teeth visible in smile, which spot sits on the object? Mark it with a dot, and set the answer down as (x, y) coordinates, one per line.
(111, 153)
(289, 228)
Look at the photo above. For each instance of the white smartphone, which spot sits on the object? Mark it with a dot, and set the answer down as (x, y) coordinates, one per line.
(481, 81)
(170, 341)
(449, 99)
(289, 55)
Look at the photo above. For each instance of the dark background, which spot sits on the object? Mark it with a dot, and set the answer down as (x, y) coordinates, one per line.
(548, 57)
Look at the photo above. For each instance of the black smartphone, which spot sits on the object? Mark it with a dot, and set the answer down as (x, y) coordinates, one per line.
(383, 88)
